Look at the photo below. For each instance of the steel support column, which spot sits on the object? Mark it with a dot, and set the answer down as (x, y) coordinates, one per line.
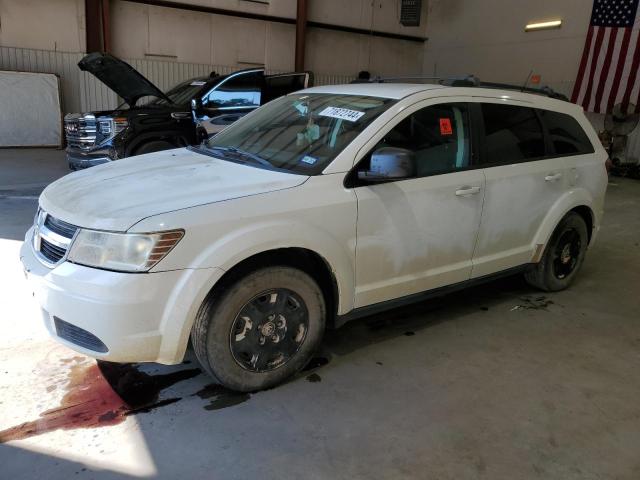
(301, 33)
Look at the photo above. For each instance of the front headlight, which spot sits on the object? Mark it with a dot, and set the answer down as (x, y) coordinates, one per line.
(123, 252)
(109, 127)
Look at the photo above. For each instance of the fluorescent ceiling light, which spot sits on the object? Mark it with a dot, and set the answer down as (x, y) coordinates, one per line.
(543, 25)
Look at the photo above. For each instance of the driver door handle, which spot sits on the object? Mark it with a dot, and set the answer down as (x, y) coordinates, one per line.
(180, 115)
(466, 190)
(552, 177)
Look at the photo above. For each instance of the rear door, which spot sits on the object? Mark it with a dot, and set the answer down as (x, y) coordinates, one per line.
(523, 181)
(278, 85)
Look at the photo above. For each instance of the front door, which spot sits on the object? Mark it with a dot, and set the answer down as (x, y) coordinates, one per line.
(237, 95)
(419, 233)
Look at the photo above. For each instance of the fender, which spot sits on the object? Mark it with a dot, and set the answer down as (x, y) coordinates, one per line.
(573, 198)
(238, 245)
(183, 304)
(231, 249)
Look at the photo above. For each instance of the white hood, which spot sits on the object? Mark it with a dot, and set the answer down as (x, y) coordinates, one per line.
(117, 195)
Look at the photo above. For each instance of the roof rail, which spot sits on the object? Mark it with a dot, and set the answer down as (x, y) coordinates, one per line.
(471, 81)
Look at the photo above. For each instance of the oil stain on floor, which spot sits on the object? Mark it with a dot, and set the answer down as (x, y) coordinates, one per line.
(100, 394)
(314, 378)
(221, 397)
(533, 303)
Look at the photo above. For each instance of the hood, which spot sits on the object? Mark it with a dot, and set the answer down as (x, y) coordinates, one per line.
(115, 196)
(120, 77)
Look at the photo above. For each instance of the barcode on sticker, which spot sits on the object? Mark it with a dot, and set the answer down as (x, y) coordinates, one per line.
(341, 113)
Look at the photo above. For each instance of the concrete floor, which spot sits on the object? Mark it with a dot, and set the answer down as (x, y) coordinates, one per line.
(497, 382)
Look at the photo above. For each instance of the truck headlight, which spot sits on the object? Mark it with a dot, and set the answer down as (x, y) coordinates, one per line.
(109, 127)
(123, 252)
(119, 124)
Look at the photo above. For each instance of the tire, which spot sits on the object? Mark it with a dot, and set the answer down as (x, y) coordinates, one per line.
(234, 320)
(154, 146)
(562, 257)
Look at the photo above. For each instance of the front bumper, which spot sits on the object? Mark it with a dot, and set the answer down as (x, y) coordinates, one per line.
(78, 160)
(139, 317)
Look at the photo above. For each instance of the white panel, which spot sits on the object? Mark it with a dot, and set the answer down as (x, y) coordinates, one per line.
(30, 115)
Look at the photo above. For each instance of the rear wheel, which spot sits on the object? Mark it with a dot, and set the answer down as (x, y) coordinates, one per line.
(261, 329)
(563, 255)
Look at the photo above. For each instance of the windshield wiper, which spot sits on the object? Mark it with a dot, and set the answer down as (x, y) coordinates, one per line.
(233, 151)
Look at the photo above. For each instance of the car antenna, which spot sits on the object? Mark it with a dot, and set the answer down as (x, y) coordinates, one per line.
(527, 81)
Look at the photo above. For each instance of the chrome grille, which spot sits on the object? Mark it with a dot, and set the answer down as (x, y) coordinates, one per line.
(51, 238)
(51, 252)
(81, 130)
(58, 226)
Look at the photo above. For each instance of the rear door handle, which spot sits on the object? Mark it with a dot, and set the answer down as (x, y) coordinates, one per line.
(180, 115)
(552, 177)
(465, 191)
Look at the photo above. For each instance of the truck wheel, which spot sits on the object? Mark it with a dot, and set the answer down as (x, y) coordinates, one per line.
(260, 329)
(154, 146)
(562, 257)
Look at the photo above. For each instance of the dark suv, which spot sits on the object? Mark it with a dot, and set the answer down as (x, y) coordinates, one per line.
(150, 120)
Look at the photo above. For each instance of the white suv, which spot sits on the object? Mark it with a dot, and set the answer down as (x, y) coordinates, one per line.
(319, 207)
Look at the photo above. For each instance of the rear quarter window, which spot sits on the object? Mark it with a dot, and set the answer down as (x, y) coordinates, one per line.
(566, 134)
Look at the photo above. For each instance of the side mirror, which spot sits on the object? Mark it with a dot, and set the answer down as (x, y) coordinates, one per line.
(196, 108)
(389, 163)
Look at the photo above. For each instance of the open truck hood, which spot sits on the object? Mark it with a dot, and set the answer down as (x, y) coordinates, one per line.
(116, 195)
(120, 77)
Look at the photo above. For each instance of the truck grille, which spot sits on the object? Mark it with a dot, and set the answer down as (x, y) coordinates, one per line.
(51, 238)
(81, 130)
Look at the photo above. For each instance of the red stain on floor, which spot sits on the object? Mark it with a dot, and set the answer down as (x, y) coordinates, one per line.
(100, 395)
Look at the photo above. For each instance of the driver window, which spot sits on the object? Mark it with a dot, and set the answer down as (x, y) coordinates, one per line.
(438, 135)
(243, 90)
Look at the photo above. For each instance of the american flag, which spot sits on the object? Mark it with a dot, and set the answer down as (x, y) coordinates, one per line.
(608, 72)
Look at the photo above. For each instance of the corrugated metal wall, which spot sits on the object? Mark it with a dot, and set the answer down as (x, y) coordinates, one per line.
(75, 86)
(82, 92)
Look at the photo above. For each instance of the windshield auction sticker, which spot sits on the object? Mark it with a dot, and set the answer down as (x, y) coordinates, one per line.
(341, 113)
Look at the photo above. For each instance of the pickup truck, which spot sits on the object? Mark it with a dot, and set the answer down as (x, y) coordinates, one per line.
(151, 120)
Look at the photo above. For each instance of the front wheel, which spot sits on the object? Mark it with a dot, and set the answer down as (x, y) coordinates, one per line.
(154, 146)
(261, 329)
(562, 257)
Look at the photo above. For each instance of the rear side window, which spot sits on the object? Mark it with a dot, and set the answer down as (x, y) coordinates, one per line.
(512, 134)
(566, 134)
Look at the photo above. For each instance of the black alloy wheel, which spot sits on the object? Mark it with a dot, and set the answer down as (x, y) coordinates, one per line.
(566, 253)
(269, 330)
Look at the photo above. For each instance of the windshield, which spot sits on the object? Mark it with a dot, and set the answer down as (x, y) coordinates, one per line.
(300, 133)
(183, 92)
